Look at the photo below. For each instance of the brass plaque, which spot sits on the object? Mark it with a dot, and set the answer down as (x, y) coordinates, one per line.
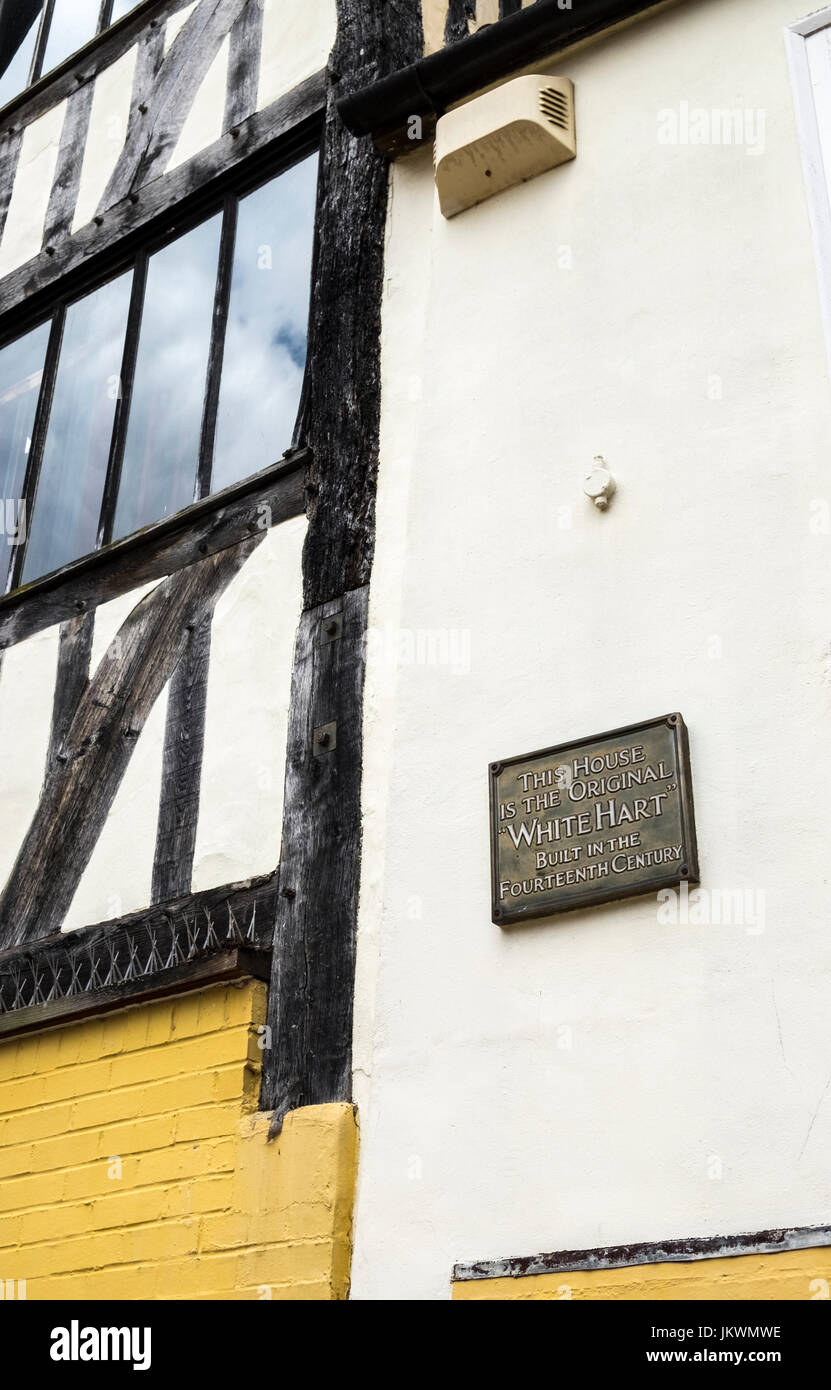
(591, 821)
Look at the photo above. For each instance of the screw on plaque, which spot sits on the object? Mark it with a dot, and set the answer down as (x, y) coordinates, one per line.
(325, 739)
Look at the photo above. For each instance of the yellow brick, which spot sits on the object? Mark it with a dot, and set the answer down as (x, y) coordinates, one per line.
(38, 1124)
(51, 1087)
(281, 1264)
(247, 1005)
(34, 1190)
(786, 1274)
(185, 1014)
(205, 1205)
(197, 1275)
(321, 1290)
(12, 1062)
(212, 1015)
(209, 1121)
(20, 1091)
(121, 1209)
(166, 1165)
(295, 1221)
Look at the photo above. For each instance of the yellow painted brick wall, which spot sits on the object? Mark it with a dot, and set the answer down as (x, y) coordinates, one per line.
(134, 1164)
(788, 1274)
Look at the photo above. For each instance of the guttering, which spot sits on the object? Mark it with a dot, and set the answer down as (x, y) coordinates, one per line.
(429, 87)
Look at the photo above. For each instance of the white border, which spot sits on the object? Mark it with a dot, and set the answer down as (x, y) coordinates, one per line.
(819, 206)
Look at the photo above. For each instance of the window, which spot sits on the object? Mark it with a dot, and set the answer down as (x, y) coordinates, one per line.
(37, 35)
(177, 376)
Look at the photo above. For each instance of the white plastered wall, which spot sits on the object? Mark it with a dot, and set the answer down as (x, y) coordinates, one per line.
(27, 692)
(23, 232)
(297, 41)
(107, 131)
(601, 1078)
(246, 722)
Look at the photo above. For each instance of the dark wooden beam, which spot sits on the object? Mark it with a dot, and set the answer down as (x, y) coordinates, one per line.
(268, 141)
(67, 180)
(312, 983)
(149, 58)
(204, 528)
(310, 1003)
(343, 374)
(244, 64)
(10, 144)
(110, 716)
(182, 768)
(221, 934)
(74, 650)
(169, 98)
(456, 19)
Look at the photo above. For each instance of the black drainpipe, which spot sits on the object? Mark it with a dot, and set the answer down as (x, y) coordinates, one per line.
(429, 87)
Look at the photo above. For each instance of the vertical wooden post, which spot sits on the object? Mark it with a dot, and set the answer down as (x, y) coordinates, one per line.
(313, 966)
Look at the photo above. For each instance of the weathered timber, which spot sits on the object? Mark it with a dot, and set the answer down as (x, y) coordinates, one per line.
(182, 768)
(222, 933)
(149, 58)
(312, 980)
(313, 964)
(244, 63)
(9, 159)
(206, 527)
(111, 714)
(67, 179)
(74, 650)
(456, 25)
(649, 1252)
(293, 120)
(150, 143)
(342, 402)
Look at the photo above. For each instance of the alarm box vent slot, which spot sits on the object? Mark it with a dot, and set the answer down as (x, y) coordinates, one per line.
(555, 107)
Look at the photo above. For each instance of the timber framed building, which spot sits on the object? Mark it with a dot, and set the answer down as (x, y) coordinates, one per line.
(310, 330)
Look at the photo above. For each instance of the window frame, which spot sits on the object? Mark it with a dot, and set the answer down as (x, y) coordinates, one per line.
(44, 23)
(221, 196)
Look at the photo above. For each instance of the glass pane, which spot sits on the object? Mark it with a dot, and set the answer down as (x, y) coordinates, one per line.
(158, 476)
(74, 23)
(122, 7)
(17, 48)
(21, 370)
(265, 345)
(74, 468)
